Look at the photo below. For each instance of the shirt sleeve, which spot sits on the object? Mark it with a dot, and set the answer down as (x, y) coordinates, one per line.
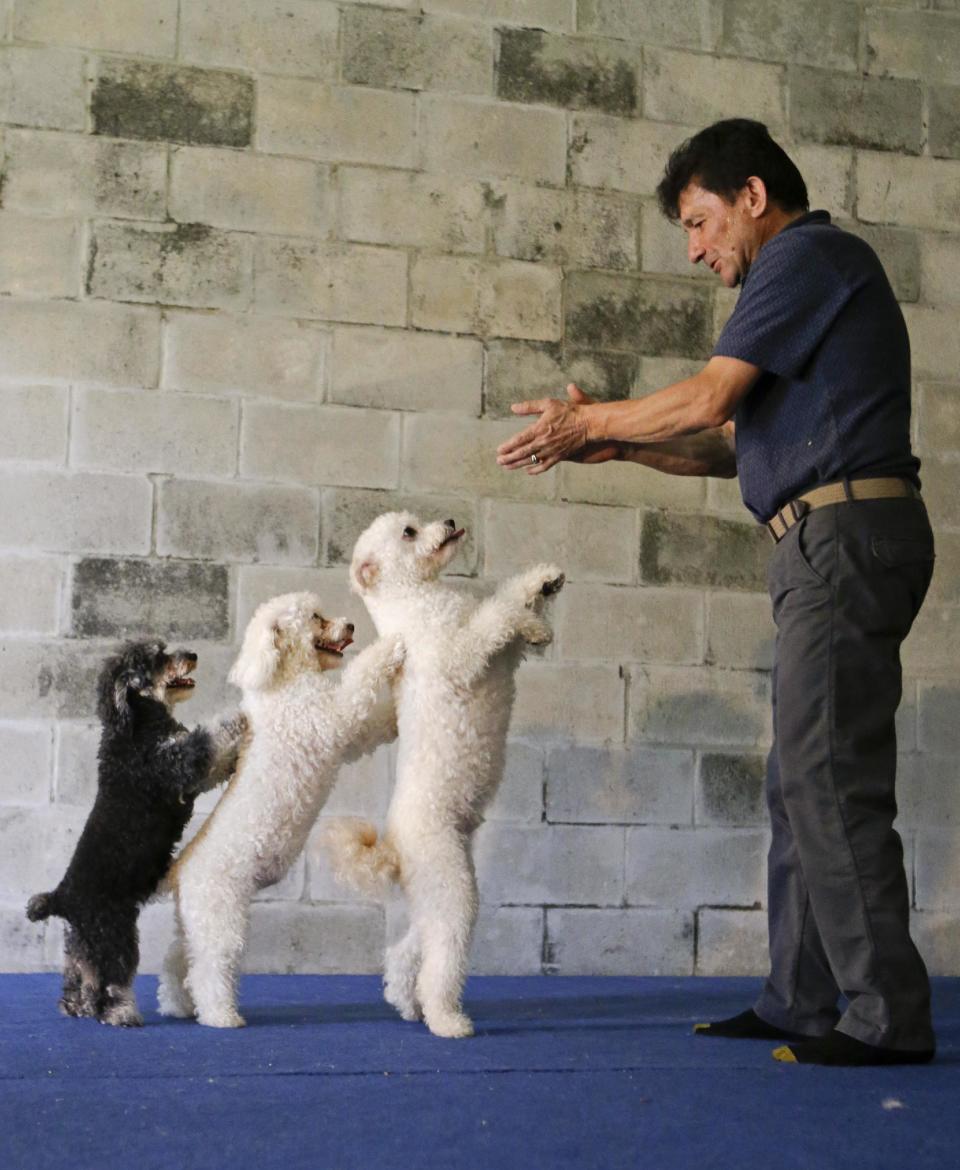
(791, 297)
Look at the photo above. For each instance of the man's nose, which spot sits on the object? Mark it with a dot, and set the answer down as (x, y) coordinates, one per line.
(695, 250)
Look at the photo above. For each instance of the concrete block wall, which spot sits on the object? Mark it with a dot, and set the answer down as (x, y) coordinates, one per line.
(266, 272)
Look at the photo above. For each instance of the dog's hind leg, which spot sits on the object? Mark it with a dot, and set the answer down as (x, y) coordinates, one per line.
(214, 921)
(71, 1001)
(173, 999)
(118, 968)
(443, 902)
(400, 969)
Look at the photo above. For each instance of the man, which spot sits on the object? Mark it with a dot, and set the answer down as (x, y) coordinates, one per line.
(807, 399)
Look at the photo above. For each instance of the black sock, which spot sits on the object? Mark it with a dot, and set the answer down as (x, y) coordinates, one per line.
(837, 1048)
(746, 1026)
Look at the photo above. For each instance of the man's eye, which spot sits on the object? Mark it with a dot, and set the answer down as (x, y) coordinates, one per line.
(409, 533)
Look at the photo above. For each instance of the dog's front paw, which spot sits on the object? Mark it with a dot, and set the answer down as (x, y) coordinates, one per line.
(541, 581)
(449, 1025)
(535, 632)
(553, 586)
(221, 1018)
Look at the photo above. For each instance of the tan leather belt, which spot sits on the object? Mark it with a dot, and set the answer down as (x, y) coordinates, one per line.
(837, 493)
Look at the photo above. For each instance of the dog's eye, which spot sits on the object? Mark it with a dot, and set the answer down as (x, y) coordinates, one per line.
(409, 533)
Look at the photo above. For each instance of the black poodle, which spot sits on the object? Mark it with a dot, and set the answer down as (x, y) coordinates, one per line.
(150, 770)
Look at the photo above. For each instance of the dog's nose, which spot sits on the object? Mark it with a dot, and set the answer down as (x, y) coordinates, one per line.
(450, 523)
(350, 627)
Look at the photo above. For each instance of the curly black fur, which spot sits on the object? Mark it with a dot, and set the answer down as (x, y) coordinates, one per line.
(150, 770)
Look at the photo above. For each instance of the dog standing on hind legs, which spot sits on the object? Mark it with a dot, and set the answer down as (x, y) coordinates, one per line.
(150, 770)
(453, 710)
(303, 727)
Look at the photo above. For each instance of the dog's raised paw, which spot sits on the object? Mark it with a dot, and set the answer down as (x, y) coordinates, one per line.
(550, 587)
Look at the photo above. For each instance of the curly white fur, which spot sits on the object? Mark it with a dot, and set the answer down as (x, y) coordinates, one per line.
(303, 726)
(453, 708)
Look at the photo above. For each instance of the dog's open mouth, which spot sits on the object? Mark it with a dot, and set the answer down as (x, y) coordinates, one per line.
(335, 648)
(181, 682)
(453, 536)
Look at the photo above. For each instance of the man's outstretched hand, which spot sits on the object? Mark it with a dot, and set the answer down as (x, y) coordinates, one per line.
(559, 433)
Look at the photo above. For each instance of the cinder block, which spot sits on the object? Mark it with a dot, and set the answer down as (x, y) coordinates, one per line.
(925, 45)
(581, 703)
(248, 34)
(700, 706)
(703, 550)
(402, 370)
(939, 256)
(732, 942)
(939, 421)
(616, 785)
(348, 511)
(945, 586)
(493, 140)
(574, 228)
(257, 583)
(500, 298)
(166, 599)
(941, 482)
(943, 130)
(146, 27)
(648, 314)
(740, 631)
(27, 752)
(30, 589)
(289, 888)
(934, 344)
(508, 940)
(658, 372)
(550, 864)
(179, 264)
(335, 124)
(520, 795)
(630, 485)
(590, 543)
(335, 282)
(935, 873)
(620, 942)
(724, 495)
(76, 175)
(939, 717)
(656, 22)
(534, 66)
(828, 173)
(933, 646)
(406, 209)
(918, 192)
(429, 439)
(629, 625)
(697, 90)
(363, 787)
(621, 154)
(247, 355)
(145, 432)
(403, 50)
(42, 87)
(556, 15)
(48, 680)
(877, 113)
(937, 936)
(730, 790)
(899, 251)
(663, 246)
(22, 943)
(238, 521)
(320, 444)
(39, 257)
(133, 99)
(251, 193)
(76, 513)
(687, 868)
(815, 32)
(520, 370)
(320, 940)
(76, 762)
(33, 423)
(38, 844)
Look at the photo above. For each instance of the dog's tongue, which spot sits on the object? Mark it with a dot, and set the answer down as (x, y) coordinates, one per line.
(341, 646)
(455, 535)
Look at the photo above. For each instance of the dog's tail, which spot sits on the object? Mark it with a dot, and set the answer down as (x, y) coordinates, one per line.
(361, 858)
(42, 906)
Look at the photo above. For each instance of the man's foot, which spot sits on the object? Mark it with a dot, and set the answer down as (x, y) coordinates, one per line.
(746, 1026)
(837, 1048)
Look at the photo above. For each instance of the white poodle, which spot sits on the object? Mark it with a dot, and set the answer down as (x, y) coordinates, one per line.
(302, 727)
(453, 707)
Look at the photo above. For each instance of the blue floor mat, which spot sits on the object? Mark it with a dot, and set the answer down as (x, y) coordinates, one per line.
(563, 1072)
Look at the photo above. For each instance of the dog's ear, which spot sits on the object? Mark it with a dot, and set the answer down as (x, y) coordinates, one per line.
(259, 657)
(114, 699)
(364, 574)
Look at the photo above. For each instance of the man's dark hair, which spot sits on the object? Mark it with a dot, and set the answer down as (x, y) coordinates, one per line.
(722, 157)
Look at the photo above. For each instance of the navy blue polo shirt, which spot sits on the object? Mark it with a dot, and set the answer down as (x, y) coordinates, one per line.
(817, 314)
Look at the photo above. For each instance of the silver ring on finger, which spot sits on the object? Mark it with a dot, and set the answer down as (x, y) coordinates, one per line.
(534, 458)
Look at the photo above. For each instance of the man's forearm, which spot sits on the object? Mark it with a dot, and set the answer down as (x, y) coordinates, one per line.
(709, 452)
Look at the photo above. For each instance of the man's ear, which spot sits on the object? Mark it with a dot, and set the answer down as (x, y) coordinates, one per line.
(364, 575)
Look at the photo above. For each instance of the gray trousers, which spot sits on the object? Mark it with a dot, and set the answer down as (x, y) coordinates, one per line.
(846, 583)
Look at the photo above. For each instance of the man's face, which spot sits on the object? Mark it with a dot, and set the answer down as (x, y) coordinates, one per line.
(725, 236)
